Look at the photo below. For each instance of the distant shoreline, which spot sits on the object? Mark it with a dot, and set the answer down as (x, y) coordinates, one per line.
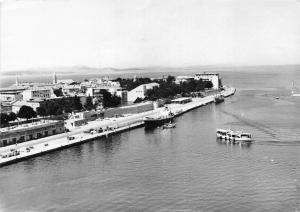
(90, 70)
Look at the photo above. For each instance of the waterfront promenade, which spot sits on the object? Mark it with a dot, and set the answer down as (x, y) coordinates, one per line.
(115, 125)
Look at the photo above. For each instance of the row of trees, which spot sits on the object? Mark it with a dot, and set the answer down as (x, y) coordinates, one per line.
(59, 106)
(6, 118)
(130, 84)
(169, 88)
(25, 112)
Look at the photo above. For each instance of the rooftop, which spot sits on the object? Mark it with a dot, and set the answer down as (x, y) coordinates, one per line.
(27, 126)
(181, 99)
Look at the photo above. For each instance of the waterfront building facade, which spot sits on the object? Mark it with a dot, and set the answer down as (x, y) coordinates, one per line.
(26, 132)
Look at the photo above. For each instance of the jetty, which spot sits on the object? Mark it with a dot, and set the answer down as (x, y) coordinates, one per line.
(91, 131)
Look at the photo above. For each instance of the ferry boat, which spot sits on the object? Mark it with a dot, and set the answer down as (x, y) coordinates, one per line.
(162, 118)
(234, 136)
(219, 98)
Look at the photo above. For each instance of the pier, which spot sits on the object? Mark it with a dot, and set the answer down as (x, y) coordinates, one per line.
(80, 135)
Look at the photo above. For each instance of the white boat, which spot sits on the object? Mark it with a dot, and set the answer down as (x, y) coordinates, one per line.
(294, 91)
(169, 125)
(234, 136)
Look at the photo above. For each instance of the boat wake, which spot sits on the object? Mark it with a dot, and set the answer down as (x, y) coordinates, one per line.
(269, 135)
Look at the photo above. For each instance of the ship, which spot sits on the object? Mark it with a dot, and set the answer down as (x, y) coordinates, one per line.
(163, 117)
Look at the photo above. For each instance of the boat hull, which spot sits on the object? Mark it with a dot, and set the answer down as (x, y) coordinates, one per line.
(154, 123)
(228, 137)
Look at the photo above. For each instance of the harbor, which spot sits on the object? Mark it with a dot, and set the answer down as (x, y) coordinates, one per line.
(14, 153)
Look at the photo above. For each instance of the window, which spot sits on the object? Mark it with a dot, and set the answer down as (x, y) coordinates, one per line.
(22, 139)
(4, 142)
(14, 140)
(53, 132)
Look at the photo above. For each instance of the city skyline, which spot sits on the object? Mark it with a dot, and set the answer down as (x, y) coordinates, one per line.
(98, 34)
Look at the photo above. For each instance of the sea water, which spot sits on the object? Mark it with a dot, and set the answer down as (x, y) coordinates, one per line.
(179, 169)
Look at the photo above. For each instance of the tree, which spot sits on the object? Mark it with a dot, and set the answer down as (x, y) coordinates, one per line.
(12, 116)
(4, 119)
(41, 111)
(76, 103)
(110, 100)
(89, 103)
(138, 100)
(26, 112)
(170, 79)
(58, 92)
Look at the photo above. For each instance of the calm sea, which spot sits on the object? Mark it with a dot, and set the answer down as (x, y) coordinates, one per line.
(180, 169)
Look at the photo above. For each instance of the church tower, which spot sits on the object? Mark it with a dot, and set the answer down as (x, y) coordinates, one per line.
(17, 80)
(54, 81)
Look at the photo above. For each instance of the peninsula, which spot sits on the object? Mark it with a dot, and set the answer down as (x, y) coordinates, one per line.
(37, 118)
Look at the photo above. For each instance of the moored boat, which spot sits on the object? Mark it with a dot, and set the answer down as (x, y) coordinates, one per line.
(234, 136)
(158, 120)
(219, 98)
(169, 125)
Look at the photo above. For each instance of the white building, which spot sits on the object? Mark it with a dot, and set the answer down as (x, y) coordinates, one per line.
(37, 93)
(18, 104)
(70, 90)
(181, 79)
(10, 96)
(25, 132)
(94, 92)
(214, 78)
(140, 91)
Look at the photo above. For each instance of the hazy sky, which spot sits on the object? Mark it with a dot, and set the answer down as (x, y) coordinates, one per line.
(132, 33)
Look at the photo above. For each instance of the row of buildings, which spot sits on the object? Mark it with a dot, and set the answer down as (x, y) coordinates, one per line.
(35, 94)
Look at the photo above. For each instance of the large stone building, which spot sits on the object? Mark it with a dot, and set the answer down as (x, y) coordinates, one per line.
(37, 93)
(140, 91)
(214, 78)
(26, 132)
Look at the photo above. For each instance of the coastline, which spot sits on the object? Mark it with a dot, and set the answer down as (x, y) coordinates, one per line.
(60, 141)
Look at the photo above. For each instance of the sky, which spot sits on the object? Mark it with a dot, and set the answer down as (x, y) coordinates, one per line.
(141, 33)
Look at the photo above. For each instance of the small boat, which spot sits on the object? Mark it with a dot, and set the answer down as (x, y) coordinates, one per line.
(276, 97)
(234, 136)
(169, 125)
(219, 98)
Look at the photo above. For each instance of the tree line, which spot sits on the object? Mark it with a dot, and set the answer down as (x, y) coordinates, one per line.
(167, 87)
